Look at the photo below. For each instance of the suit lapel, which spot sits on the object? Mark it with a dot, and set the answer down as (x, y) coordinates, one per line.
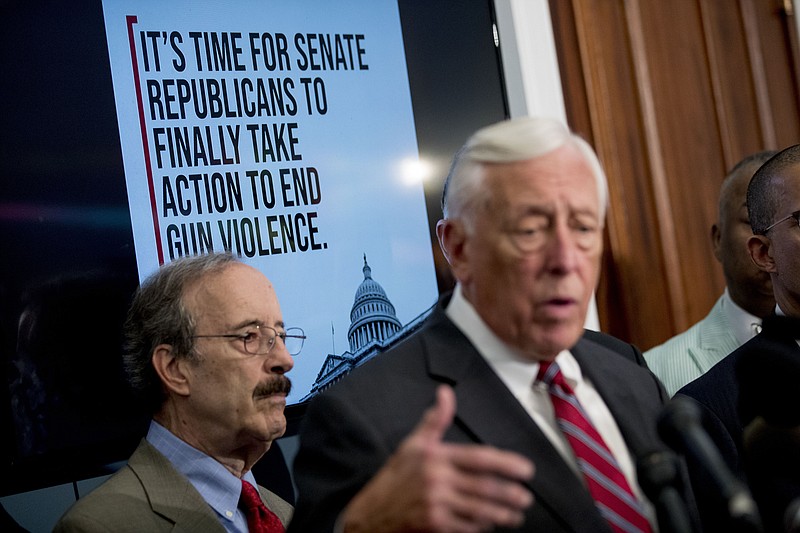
(617, 388)
(489, 413)
(716, 340)
(170, 494)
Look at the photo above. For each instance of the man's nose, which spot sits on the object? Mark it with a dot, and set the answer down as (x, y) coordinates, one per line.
(280, 360)
(562, 250)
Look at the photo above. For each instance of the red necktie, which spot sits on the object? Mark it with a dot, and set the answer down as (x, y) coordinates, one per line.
(259, 518)
(607, 485)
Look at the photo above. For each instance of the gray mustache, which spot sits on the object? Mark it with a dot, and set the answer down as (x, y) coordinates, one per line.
(280, 384)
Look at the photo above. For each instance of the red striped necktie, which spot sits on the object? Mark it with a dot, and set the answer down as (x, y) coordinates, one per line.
(259, 518)
(612, 495)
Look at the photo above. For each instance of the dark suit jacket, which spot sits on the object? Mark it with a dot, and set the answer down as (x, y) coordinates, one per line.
(717, 392)
(148, 494)
(352, 429)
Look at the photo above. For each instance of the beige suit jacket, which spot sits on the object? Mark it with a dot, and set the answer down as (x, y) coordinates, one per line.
(148, 494)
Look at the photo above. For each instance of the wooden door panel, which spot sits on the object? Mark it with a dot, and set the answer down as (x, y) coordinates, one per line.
(672, 94)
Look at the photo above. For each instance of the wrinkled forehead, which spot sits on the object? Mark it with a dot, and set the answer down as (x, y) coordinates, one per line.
(562, 177)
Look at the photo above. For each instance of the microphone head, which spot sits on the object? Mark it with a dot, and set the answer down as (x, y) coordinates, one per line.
(771, 459)
(791, 517)
(680, 426)
(657, 470)
(678, 416)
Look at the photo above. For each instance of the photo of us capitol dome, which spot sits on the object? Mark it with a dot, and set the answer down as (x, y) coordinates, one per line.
(374, 328)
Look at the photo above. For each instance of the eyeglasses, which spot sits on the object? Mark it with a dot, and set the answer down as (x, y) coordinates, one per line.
(532, 239)
(795, 216)
(261, 339)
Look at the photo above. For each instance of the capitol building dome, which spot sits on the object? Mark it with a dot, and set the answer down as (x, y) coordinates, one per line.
(372, 318)
(374, 328)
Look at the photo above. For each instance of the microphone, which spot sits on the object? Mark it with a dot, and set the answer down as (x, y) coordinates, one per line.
(768, 399)
(679, 425)
(659, 478)
(791, 518)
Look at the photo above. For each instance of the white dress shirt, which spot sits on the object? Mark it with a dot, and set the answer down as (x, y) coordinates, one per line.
(519, 374)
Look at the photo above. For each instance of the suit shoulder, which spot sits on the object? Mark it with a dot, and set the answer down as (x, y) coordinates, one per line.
(676, 345)
(625, 349)
(109, 507)
(710, 332)
(718, 382)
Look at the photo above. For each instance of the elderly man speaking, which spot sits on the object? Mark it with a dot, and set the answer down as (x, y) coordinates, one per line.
(514, 379)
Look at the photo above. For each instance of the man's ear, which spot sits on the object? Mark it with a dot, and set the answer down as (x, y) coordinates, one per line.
(716, 238)
(171, 369)
(760, 252)
(452, 240)
(440, 235)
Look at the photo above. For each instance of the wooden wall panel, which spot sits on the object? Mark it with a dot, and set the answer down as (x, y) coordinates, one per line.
(776, 47)
(672, 94)
(743, 128)
(620, 138)
(689, 143)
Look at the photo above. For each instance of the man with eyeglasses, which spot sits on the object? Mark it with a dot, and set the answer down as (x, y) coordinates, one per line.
(207, 349)
(733, 392)
(501, 374)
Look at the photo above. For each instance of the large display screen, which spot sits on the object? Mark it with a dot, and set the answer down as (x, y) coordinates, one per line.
(312, 140)
(285, 135)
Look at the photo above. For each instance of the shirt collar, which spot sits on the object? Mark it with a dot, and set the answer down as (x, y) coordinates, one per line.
(216, 484)
(505, 359)
(740, 321)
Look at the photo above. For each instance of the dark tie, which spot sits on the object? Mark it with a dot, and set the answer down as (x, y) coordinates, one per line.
(259, 518)
(612, 495)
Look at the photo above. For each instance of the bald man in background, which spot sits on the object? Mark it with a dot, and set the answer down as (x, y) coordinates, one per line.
(737, 315)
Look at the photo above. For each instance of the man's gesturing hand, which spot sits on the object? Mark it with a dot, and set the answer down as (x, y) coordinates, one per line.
(429, 485)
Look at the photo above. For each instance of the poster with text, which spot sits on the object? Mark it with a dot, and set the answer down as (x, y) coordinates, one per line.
(280, 131)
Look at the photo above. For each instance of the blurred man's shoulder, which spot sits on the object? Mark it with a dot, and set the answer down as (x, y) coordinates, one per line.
(609, 341)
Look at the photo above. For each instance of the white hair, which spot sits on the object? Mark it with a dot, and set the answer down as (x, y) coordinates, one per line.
(518, 139)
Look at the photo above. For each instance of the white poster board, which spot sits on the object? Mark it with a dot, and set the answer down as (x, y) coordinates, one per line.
(280, 131)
